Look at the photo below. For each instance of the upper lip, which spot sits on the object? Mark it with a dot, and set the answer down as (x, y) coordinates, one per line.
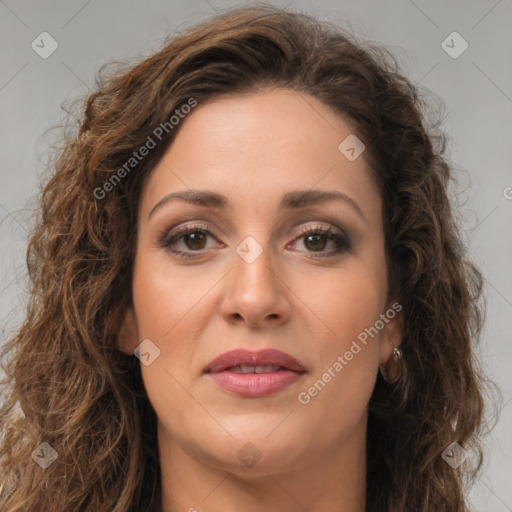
(263, 357)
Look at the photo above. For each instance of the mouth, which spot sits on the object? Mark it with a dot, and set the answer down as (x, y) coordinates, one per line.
(245, 368)
(255, 374)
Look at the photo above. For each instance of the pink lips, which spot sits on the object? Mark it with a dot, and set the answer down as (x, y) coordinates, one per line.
(255, 374)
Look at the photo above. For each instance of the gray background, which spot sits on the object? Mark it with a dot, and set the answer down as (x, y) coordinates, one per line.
(476, 89)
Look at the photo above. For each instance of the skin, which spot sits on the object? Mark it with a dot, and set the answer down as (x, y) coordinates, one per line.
(253, 149)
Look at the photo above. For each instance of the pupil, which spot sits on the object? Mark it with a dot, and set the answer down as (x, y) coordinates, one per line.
(195, 238)
(317, 237)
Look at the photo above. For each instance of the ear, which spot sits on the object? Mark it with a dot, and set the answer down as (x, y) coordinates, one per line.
(392, 331)
(127, 339)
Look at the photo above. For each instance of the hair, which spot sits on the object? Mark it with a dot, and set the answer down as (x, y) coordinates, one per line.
(68, 384)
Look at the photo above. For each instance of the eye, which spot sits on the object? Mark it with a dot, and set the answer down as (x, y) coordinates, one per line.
(194, 239)
(316, 238)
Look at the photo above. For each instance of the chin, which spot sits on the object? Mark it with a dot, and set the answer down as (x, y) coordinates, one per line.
(255, 455)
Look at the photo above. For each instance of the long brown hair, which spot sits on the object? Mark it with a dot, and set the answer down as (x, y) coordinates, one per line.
(69, 386)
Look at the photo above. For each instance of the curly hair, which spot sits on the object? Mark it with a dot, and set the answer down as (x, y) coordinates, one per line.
(67, 383)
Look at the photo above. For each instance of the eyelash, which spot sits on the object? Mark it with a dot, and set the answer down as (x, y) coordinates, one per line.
(169, 239)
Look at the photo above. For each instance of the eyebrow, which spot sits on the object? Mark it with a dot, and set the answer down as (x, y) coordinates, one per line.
(291, 200)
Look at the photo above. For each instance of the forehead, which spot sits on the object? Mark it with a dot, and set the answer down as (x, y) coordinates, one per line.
(254, 148)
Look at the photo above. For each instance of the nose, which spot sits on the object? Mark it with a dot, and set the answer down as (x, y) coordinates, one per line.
(256, 293)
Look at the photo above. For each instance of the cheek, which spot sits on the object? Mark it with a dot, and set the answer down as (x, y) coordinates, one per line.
(348, 305)
(165, 300)
(169, 313)
(346, 302)
(168, 309)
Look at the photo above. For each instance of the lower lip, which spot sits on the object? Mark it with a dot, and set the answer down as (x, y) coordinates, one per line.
(255, 385)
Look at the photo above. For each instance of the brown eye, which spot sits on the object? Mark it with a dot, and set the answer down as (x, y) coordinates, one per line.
(316, 240)
(193, 239)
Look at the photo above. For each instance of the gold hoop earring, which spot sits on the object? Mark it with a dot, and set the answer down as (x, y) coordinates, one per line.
(391, 377)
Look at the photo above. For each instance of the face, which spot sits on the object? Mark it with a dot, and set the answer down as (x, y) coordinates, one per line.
(256, 270)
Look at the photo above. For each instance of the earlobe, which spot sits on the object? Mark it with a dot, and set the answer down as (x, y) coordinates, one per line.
(392, 336)
(391, 357)
(128, 333)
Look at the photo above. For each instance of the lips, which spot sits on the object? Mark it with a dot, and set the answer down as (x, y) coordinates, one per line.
(254, 374)
(263, 361)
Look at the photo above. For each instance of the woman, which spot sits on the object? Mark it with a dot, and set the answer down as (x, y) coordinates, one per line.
(249, 292)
